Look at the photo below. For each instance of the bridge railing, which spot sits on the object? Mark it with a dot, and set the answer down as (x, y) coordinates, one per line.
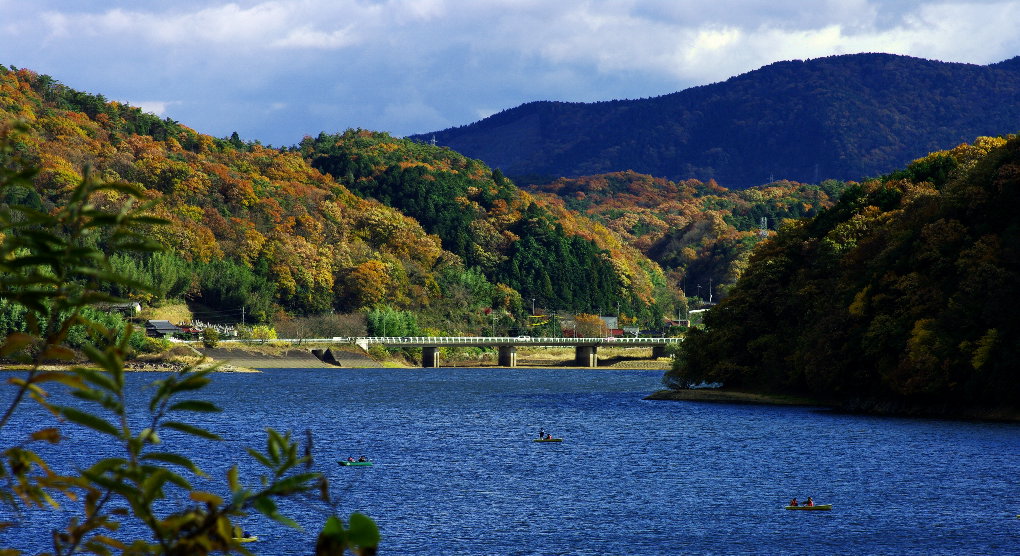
(457, 340)
(504, 340)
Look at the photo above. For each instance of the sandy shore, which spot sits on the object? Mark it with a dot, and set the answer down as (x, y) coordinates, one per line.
(729, 396)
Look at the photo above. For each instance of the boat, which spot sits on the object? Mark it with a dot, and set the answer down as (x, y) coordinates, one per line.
(816, 507)
(548, 440)
(355, 463)
(251, 538)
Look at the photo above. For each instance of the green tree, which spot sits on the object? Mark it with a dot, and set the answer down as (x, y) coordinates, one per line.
(51, 268)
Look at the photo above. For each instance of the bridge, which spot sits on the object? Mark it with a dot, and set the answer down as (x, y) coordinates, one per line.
(585, 349)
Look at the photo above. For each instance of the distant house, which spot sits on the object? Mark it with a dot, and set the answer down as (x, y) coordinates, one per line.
(161, 329)
(129, 309)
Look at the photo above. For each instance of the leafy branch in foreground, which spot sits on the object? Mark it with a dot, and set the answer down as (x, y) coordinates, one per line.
(54, 266)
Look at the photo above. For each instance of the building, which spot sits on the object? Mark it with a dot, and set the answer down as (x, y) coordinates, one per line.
(161, 329)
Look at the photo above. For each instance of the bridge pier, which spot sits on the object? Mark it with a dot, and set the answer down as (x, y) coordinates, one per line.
(658, 351)
(507, 356)
(429, 356)
(586, 356)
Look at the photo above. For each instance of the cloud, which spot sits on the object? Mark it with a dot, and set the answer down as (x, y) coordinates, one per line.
(257, 27)
(157, 107)
(408, 66)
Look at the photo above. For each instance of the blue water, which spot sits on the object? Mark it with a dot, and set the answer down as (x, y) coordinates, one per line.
(456, 471)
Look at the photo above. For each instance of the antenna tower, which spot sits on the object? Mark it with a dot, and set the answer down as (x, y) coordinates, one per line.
(763, 229)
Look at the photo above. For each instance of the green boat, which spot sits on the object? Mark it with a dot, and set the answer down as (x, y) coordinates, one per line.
(548, 440)
(356, 463)
(816, 507)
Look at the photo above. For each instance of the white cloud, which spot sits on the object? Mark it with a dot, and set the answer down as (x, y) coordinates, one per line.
(157, 107)
(266, 24)
(310, 38)
(407, 65)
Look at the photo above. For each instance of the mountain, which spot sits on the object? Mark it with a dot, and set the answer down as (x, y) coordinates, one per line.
(840, 117)
(903, 295)
(699, 233)
(272, 233)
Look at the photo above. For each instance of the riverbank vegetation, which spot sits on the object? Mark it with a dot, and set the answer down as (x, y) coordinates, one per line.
(54, 273)
(902, 297)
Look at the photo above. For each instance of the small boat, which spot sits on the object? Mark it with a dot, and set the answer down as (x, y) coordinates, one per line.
(355, 463)
(251, 538)
(816, 507)
(548, 440)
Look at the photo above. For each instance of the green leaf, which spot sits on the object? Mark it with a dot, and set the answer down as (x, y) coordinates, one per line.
(295, 483)
(232, 478)
(175, 459)
(195, 405)
(16, 341)
(267, 507)
(261, 458)
(152, 484)
(98, 378)
(332, 539)
(89, 420)
(193, 381)
(363, 532)
(192, 430)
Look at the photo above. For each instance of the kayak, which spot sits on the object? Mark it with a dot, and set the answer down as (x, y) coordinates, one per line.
(548, 440)
(816, 507)
(355, 463)
(252, 538)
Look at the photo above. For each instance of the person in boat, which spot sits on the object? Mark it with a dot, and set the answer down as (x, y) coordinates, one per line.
(809, 502)
(362, 458)
(541, 433)
(350, 458)
(794, 502)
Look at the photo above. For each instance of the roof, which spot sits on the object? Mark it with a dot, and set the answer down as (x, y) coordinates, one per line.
(163, 326)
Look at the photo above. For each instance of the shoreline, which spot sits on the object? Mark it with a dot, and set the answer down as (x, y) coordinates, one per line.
(850, 407)
(733, 397)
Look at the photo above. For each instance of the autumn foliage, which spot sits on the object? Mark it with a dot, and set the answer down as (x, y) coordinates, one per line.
(904, 292)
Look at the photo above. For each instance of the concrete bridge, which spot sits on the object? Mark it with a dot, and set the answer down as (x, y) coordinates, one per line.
(585, 349)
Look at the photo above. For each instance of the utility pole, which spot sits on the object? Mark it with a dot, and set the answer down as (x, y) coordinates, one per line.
(242, 315)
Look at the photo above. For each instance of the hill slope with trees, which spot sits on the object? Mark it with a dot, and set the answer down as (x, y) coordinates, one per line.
(902, 295)
(264, 231)
(699, 233)
(559, 260)
(842, 117)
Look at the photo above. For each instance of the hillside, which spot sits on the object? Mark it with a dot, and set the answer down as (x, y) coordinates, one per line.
(561, 261)
(841, 117)
(264, 232)
(699, 233)
(903, 295)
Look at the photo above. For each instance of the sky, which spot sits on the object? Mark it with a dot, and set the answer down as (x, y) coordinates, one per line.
(275, 71)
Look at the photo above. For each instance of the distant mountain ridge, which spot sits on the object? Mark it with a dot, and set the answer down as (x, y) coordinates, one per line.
(842, 117)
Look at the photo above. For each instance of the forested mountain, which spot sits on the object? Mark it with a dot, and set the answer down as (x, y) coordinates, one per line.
(904, 293)
(264, 229)
(841, 117)
(699, 233)
(561, 261)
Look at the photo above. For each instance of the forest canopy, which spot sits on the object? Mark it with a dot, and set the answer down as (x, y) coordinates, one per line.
(905, 291)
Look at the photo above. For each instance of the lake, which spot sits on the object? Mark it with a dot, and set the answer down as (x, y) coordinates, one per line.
(456, 471)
